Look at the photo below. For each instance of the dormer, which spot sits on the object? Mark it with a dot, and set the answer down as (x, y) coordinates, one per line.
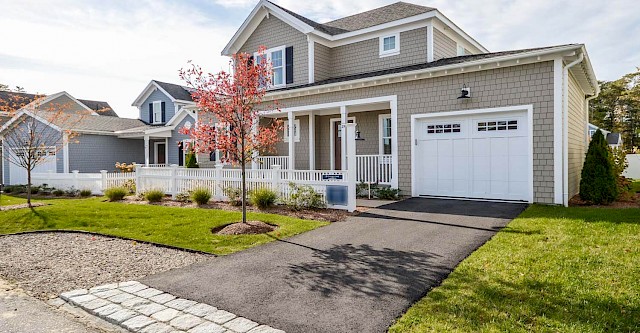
(160, 101)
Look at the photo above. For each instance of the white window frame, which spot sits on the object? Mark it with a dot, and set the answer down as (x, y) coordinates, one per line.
(296, 130)
(460, 50)
(390, 52)
(156, 150)
(381, 136)
(268, 53)
(157, 110)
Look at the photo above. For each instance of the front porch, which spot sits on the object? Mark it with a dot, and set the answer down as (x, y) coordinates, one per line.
(312, 139)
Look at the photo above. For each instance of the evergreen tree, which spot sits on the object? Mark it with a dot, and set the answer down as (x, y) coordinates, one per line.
(190, 160)
(598, 183)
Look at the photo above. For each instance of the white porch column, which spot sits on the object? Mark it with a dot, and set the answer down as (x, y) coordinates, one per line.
(349, 136)
(166, 151)
(343, 139)
(146, 150)
(312, 141)
(393, 105)
(254, 155)
(292, 146)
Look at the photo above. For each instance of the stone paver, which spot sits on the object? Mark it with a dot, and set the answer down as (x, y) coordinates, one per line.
(139, 308)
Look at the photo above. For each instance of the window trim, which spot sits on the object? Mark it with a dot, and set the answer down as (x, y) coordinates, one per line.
(157, 107)
(296, 134)
(381, 136)
(391, 52)
(268, 53)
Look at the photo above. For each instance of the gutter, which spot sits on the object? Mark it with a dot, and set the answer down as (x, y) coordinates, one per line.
(565, 129)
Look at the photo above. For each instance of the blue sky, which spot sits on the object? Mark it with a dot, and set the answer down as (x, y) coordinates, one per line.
(109, 50)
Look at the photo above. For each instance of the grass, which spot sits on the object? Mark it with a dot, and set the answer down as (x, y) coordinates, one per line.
(182, 227)
(553, 269)
(6, 200)
(635, 186)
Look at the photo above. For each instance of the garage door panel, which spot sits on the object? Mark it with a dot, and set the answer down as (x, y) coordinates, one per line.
(499, 167)
(499, 146)
(518, 168)
(481, 167)
(515, 146)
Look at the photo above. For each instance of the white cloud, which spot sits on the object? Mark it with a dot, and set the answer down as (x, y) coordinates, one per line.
(110, 50)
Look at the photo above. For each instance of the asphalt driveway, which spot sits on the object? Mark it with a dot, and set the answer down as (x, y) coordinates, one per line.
(353, 276)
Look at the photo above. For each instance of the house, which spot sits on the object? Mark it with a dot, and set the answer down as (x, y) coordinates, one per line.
(437, 113)
(97, 143)
(614, 140)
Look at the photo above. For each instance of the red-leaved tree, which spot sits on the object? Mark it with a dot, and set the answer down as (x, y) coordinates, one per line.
(229, 119)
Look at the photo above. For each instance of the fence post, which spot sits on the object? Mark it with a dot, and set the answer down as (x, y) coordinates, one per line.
(137, 170)
(350, 130)
(76, 184)
(104, 180)
(173, 183)
(216, 181)
(275, 179)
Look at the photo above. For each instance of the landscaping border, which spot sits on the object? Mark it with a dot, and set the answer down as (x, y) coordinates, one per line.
(72, 231)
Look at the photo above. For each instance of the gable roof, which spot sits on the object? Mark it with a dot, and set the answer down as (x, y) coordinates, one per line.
(105, 124)
(107, 110)
(175, 92)
(393, 12)
(17, 100)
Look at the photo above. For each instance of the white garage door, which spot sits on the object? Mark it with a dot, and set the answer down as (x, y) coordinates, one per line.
(18, 175)
(481, 156)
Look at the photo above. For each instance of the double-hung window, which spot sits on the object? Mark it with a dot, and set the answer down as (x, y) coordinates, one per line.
(275, 58)
(385, 134)
(389, 45)
(157, 112)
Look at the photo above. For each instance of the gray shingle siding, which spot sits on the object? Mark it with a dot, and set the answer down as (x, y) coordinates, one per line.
(443, 46)
(322, 62)
(518, 85)
(90, 153)
(272, 32)
(175, 139)
(157, 96)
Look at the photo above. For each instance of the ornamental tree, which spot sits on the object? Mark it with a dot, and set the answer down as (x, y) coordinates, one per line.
(230, 104)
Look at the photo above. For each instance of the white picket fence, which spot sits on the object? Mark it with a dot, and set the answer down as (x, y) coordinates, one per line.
(267, 162)
(96, 182)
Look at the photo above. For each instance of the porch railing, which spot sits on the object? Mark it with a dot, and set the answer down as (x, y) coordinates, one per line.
(266, 162)
(374, 168)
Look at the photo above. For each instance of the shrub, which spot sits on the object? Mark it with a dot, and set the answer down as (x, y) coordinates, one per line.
(72, 192)
(116, 193)
(85, 193)
(263, 198)
(190, 160)
(303, 197)
(130, 185)
(201, 195)
(364, 190)
(183, 197)
(598, 182)
(387, 193)
(234, 194)
(58, 193)
(34, 189)
(154, 195)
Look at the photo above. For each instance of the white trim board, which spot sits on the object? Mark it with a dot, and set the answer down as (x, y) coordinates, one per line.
(155, 151)
(528, 108)
(332, 140)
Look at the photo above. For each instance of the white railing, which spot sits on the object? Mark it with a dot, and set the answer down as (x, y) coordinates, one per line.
(96, 182)
(374, 169)
(156, 165)
(176, 180)
(267, 162)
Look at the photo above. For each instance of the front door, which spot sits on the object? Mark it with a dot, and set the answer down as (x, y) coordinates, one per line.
(160, 153)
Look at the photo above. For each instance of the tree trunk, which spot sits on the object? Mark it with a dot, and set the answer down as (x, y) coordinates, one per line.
(244, 191)
(29, 187)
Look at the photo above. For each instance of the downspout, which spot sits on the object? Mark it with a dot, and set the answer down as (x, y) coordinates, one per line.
(565, 129)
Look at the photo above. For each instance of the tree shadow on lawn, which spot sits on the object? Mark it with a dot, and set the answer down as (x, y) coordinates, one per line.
(365, 271)
(472, 302)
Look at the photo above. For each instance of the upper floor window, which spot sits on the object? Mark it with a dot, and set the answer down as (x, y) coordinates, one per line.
(389, 45)
(276, 57)
(460, 50)
(157, 112)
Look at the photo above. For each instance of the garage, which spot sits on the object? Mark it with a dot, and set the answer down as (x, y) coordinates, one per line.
(473, 154)
(18, 175)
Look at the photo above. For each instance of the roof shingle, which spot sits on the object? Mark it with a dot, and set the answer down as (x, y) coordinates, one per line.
(176, 91)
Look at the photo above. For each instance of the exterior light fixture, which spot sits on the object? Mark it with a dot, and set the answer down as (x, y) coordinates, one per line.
(465, 92)
(359, 136)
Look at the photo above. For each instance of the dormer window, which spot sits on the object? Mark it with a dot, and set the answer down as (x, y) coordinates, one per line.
(389, 45)
(157, 112)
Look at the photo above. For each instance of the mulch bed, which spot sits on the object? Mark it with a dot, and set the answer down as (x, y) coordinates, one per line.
(21, 206)
(329, 215)
(632, 202)
(249, 228)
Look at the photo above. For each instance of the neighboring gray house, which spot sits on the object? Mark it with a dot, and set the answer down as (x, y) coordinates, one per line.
(614, 140)
(438, 113)
(95, 144)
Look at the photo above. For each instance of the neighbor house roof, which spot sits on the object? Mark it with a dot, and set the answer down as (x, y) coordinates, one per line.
(18, 99)
(176, 91)
(613, 138)
(103, 107)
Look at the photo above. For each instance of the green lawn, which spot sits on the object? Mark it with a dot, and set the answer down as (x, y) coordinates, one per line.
(6, 200)
(183, 227)
(553, 269)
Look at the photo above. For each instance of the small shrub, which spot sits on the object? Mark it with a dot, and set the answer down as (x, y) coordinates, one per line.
(387, 193)
(154, 195)
(58, 193)
(201, 195)
(365, 190)
(130, 185)
(598, 182)
(8, 189)
(183, 197)
(190, 160)
(35, 189)
(85, 193)
(303, 197)
(263, 198)
(72, 192)
(116, 193)
(234, 194)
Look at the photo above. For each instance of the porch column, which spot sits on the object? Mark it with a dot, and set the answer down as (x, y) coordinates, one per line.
(343, 141)
(146, 150)
(292, 146)
(166, 151)
(393, 105)
(312, 141)
(254, 155)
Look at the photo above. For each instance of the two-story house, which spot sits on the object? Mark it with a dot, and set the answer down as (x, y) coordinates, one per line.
(436, 113)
